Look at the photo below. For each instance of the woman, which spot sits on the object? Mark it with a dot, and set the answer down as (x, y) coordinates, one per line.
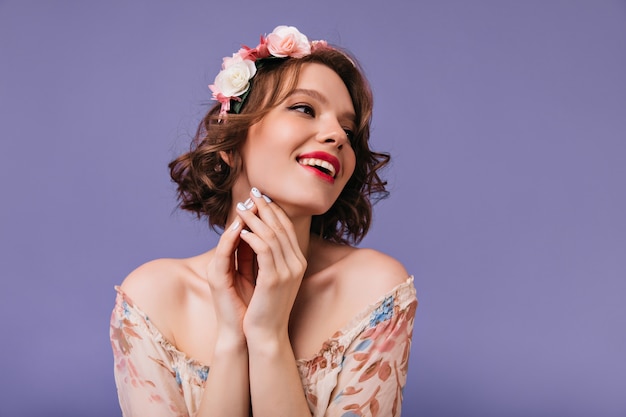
(283, 317)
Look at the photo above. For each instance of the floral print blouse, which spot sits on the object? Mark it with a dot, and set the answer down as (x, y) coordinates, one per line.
(360, 371)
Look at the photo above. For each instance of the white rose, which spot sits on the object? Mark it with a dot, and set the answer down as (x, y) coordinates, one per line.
(234, 79)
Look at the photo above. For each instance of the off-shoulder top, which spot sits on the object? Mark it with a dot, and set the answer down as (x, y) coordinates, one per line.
(360, 371)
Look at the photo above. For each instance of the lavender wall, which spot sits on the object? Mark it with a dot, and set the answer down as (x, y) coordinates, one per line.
(507, 121)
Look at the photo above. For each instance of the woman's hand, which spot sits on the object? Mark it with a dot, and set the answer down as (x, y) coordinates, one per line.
(227, 387)
(281, 266)
(231, 277)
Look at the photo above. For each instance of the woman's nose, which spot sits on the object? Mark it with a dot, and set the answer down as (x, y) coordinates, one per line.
(333, 133)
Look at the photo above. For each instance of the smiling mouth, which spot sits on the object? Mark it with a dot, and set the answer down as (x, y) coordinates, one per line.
(324, 167)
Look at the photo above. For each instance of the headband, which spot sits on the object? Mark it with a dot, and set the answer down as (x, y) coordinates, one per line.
(232, 84)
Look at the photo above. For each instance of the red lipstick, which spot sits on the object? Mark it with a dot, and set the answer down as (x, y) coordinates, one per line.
(324, 156)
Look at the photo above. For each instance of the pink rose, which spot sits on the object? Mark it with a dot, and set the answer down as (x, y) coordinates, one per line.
(261, 49)
(287, 41)
(316, 45)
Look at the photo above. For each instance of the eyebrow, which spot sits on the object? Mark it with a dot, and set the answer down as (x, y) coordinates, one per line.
(321, 98)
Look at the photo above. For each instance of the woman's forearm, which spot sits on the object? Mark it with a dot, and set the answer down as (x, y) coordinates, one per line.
(226, 391)
(275, 385)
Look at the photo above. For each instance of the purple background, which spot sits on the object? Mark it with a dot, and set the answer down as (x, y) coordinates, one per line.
(507, 121)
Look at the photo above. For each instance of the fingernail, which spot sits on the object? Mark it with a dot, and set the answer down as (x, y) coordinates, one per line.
(241, 207)
(248, 204)
(256, 192)
(266, 198)
(235, 225)
(244, 232)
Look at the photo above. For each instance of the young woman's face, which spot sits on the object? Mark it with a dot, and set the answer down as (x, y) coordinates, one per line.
(300, 153)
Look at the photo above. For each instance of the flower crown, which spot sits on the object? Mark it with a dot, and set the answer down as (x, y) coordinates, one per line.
(232, 84)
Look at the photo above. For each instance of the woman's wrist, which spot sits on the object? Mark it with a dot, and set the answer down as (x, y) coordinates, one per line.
(267, 343)
(230, 342)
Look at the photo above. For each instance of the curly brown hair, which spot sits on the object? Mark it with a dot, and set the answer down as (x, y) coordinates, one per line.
(205, 180)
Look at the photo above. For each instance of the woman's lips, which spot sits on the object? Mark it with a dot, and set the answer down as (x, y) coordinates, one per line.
(322, 162)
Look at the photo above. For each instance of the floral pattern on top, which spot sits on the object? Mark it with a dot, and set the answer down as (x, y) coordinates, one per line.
(360, 371)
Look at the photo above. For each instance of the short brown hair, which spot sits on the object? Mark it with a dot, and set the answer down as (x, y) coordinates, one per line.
(205, 180)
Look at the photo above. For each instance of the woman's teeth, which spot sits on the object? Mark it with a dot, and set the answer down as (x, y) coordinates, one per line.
(325, 166)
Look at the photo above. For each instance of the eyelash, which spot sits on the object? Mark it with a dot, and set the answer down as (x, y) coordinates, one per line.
(349, 134)
(307, 109)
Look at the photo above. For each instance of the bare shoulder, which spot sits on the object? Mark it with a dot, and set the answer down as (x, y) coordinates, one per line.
(362, 275)
(374, 271)
(152, 278)
(159, 288)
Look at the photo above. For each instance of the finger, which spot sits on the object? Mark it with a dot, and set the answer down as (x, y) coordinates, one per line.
(287, 225)
(276, 218)
(271, 241)
(269, 257)
(294, 256)
(267, 212)
(224, 252)
(264, 243)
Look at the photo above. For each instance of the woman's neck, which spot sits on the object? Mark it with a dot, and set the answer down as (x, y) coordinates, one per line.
(302, 228)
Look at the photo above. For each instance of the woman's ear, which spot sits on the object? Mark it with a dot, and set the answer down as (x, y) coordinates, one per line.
(226, 157)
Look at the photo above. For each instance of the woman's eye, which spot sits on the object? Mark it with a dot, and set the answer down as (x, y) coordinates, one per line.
(349, 134)
(304, 108)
